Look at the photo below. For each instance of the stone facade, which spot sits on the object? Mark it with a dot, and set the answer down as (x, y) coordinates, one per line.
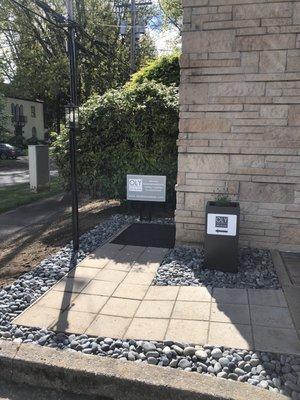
(240, 118)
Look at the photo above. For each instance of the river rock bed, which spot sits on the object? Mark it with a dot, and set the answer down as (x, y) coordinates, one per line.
(184, 266)
(277, 373)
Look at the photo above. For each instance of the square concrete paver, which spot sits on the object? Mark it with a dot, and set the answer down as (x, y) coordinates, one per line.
(139, 278)
(100, 288)
(73, 321)
(136, 292)
(230, 335)
(162, 293)
(155, 309)
(83, 273)
(230, 296)
(118, 266)
(72, 285)
(274, 298)
(277, 340)
(120, 307)
(271, 316)
(57, 300)
(149, 329)
(37, 317)
(110, 276)
(107, 325)
(149, 268)
(191, 310)
(194, 293)
(187, 331)
(231, 313)
(88, 303)
(100, 257)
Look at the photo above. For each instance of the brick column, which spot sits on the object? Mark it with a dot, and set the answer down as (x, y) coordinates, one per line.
(240, 118)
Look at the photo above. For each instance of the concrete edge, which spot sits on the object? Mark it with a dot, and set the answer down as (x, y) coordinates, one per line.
(280, 269)
(78, 373)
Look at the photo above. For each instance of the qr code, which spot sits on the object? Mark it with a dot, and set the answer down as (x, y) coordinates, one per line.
(221, 222)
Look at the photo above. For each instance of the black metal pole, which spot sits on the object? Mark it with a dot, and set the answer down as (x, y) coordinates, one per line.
(72, 132)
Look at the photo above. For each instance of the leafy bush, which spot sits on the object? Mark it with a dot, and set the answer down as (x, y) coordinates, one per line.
(164, 70)
(128, 131)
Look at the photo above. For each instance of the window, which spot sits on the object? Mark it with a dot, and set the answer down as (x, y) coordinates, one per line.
(33, 132)
(33, 112)
(21, 109)
(12, 107)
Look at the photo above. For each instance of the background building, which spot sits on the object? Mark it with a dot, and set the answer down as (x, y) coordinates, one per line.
(240, 118)
(25, 116)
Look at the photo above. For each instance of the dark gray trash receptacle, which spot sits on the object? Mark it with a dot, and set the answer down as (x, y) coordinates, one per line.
(221, 236)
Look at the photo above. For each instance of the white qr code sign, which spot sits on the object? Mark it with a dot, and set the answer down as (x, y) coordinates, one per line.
(221, 224)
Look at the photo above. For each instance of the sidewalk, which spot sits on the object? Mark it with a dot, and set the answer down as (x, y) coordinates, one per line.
(31, 214)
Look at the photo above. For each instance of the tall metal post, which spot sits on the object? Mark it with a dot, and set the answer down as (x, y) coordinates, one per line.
(72, 132)
(133, 37)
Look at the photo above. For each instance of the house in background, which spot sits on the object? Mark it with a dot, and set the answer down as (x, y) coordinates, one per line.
(25, 118)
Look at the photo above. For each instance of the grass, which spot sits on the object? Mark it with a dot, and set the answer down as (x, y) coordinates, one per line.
(14, 196)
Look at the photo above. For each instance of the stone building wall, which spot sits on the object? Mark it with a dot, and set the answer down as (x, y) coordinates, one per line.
(240, 118)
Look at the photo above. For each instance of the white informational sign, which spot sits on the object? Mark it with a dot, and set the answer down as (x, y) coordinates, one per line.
(146, 188)
(221, 224)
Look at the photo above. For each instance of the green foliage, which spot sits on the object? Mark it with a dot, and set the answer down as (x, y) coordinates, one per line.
(222, 201)
(34, 60)
(164, 70)
(132, 130)
(173, 11)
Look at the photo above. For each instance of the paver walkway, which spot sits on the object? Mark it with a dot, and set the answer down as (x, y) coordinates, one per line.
(110, 294)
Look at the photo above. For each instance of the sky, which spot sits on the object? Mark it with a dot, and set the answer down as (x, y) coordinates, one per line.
(165, 39)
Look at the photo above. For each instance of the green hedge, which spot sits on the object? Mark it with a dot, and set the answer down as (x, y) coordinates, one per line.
(126, 131)
(164, 69)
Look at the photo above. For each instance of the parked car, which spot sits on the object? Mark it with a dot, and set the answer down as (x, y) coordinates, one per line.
(7, 151)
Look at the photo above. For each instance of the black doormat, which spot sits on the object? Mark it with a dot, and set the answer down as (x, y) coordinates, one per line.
(147, 235)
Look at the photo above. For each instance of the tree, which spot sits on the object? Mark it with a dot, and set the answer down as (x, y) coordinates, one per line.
(35, 60)
(172, 10)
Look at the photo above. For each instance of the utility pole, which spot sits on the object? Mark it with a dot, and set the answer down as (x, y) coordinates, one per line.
(133, 37)
(72, 125)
